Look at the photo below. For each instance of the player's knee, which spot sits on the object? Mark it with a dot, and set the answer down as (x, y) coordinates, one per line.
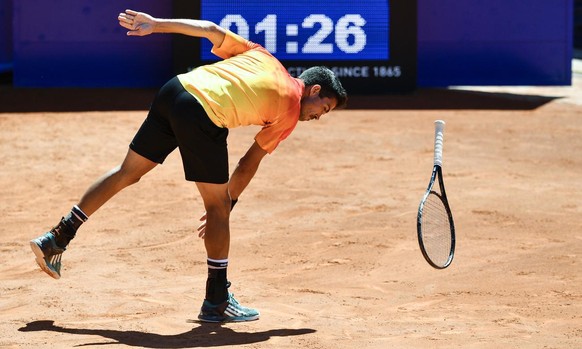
(219, 208)
(126, 177)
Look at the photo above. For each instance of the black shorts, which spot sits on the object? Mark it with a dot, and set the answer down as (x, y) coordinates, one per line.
(176, 119)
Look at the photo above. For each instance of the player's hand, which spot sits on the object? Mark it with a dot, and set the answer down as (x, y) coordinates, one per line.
(138, 23)
(202, 227)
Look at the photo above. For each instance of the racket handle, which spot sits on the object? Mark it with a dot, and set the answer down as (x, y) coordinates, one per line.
(439, 128)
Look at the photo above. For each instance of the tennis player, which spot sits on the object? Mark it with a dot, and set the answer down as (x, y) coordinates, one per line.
(193, 112)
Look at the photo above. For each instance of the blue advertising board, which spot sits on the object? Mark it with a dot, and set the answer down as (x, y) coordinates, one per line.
(495, 42)
(81, 44)
(376, 46)
(5, 35)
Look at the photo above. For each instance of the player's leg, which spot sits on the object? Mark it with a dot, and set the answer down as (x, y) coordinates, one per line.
(217, 240)
(151, 145)
(133, 167)
(219, 305)
(217, 206)
(49, 247)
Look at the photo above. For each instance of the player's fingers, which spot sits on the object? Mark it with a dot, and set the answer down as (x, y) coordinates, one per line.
(202, 227)
(125, 25)
(137, 31)
(131, 12)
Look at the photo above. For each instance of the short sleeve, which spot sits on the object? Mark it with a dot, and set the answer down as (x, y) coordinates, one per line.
(233, 45)
(270, 136)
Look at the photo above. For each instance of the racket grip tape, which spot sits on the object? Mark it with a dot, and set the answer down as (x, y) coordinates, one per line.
(439, 129)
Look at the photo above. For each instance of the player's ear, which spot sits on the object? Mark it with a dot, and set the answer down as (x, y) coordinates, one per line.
(315, 90)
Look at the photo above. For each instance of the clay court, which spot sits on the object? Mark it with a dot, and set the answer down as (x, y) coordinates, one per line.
(323, 240)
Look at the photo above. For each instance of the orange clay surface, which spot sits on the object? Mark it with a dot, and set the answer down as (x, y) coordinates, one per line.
(323, 240)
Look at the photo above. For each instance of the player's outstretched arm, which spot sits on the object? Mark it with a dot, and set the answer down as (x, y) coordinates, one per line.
(140, 24)
(245, 170)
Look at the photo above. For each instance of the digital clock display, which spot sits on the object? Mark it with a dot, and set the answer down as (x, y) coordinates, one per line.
(370, 45)
(305, 30)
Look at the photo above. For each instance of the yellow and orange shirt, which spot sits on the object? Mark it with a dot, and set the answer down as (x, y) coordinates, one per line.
(248, 87)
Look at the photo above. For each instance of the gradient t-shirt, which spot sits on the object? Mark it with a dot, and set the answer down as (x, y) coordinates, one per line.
(248, 87)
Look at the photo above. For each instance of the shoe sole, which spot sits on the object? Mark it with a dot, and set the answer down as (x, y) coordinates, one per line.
(41, 261)
(228, 319)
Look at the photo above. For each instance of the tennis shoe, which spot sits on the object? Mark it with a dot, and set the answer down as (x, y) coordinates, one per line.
(229, 311)
(48, 254)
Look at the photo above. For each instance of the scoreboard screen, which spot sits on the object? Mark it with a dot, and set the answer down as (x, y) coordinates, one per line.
(370, 45)
(306, 30)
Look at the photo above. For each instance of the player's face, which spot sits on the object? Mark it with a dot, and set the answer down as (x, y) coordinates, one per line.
(313, 106)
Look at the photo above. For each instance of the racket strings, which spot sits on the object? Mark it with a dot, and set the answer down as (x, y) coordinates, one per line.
(436, 230)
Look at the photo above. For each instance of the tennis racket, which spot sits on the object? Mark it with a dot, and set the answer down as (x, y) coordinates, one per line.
(434, 222)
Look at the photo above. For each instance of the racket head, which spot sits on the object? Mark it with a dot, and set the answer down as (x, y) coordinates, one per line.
(435, 226)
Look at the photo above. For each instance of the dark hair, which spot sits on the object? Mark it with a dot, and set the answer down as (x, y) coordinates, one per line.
(331, 86)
